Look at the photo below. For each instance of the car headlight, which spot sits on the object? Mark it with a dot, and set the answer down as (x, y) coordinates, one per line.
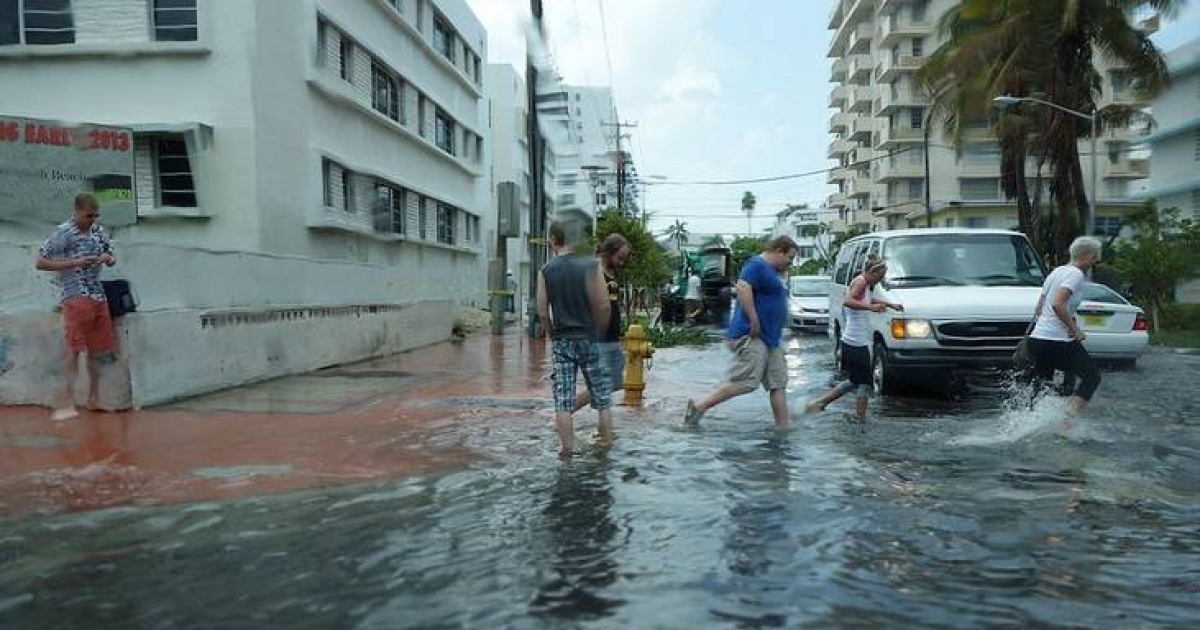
(911, 329)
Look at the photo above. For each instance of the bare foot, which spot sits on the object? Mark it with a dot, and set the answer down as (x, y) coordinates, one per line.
(65, 413)
(814, 406)
(604, 439)
(565, 454)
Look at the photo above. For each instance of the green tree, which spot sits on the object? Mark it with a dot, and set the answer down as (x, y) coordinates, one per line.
(744, 247)
(748, 203)
(678, 232)
(647, 269)
(1162, 254)
(716, 240)
(835, 246)
(1042, 49)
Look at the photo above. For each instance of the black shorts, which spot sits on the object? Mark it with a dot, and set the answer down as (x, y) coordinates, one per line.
(856, 362)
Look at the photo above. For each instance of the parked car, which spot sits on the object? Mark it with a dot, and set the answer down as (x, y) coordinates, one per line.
(808, 305)
(968, 297)
(1116, 330)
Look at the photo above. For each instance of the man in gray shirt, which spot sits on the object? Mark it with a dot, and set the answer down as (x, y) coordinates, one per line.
(76, 251)
(572, 304)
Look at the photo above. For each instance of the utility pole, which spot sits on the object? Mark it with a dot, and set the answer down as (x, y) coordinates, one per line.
(620, 162)
(928, 206)
(537, 208)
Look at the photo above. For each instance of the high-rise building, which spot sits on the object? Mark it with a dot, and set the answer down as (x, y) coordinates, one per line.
(880, 138)
(1175, 143)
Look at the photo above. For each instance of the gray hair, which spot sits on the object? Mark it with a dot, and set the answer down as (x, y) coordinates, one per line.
(1084, 245)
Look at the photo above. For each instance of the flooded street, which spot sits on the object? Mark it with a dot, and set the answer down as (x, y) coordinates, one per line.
(930, 514)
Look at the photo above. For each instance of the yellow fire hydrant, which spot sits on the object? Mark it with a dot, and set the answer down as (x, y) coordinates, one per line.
(638, 349)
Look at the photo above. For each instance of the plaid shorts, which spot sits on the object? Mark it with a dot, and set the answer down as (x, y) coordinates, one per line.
(583, 354)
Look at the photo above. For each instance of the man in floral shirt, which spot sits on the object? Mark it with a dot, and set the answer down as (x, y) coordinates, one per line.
(76, 251)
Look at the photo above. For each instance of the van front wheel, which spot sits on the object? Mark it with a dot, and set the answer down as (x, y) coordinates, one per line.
(883, 377)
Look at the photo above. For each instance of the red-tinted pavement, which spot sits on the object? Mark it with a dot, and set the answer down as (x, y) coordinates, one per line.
(342, 425)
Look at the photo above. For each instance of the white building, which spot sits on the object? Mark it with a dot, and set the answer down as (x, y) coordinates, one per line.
(509, 109)
(879, 138)
(1175, 144)
(810, 228)
(580, 126)
(311, 182)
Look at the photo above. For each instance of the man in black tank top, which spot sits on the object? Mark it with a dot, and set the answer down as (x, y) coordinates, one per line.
(572, 304)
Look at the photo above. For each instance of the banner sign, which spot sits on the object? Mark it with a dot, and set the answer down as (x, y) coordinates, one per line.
(44, 164)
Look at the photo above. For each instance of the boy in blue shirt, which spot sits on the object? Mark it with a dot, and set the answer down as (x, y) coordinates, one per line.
(756, 333)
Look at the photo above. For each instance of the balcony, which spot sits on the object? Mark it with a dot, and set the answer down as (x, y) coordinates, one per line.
(859, 41)
(895, 96)
(862, 127)
(838, 148)
(837, 73)
(859, 187)
(900, 168)
(900, 26)
(840, 122)
(861, 100)
(860, 157)
(839, 95)
(836, 175)
(892, 66)
(837, 200)
(892, 137)
(859, 69)
(1129, 167)
(836, 15)
(979, 166)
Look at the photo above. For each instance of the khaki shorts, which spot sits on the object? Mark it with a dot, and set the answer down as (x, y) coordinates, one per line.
(755, 363)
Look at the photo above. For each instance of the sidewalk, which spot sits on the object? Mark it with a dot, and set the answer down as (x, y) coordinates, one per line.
(347, 424)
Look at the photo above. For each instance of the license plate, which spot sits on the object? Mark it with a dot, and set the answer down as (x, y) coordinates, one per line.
(1094, 320)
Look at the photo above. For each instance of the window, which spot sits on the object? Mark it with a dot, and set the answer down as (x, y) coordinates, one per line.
(421, 120)
(479, 148)
(443, 38)
(478, 61)
(175, 20)
(916, 188)
(1108, 226)
(174, 172)
(986, 189)
(1116, 188)
(601, 200)
(1120, 80)
(919, 8)
(327, 182)
(345, 58)
(806, 252)
(444, 132)
(390, 209)
(949, 222)
(916, 117)
(347, 191)
(44, 22)
(423, 216)
(445, 224)
(918, 46)
(385, 96)
(975, 222)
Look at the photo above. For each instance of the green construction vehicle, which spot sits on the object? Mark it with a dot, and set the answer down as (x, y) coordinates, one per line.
(713, 266)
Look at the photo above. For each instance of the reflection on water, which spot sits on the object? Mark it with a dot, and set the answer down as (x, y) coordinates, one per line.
(966, 513)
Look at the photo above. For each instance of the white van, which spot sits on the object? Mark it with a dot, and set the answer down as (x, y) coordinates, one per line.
(968, 297)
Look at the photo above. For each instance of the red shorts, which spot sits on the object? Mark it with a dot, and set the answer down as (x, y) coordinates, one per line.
(88, 325)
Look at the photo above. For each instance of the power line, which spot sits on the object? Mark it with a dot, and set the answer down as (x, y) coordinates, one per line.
(607, 54)
(776, 178)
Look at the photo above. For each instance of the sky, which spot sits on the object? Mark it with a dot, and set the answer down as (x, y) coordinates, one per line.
(718, 91)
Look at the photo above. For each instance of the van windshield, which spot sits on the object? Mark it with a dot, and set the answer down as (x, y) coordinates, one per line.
(962, 259)
(806, 287)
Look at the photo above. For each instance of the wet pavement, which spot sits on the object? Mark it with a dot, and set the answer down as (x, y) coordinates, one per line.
(423, 491)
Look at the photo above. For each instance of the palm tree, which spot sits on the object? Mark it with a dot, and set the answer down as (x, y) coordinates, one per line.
(1041, 48)
(678, 233)
(748, 203)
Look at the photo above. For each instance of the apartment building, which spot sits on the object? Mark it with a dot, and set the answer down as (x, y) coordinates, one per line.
(879, 135)
(310, 179)
(810, 228)
(1175, 143)
(590, 172)
(1175, 146)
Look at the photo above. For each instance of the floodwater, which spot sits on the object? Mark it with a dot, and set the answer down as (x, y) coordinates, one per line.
(930, 514)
